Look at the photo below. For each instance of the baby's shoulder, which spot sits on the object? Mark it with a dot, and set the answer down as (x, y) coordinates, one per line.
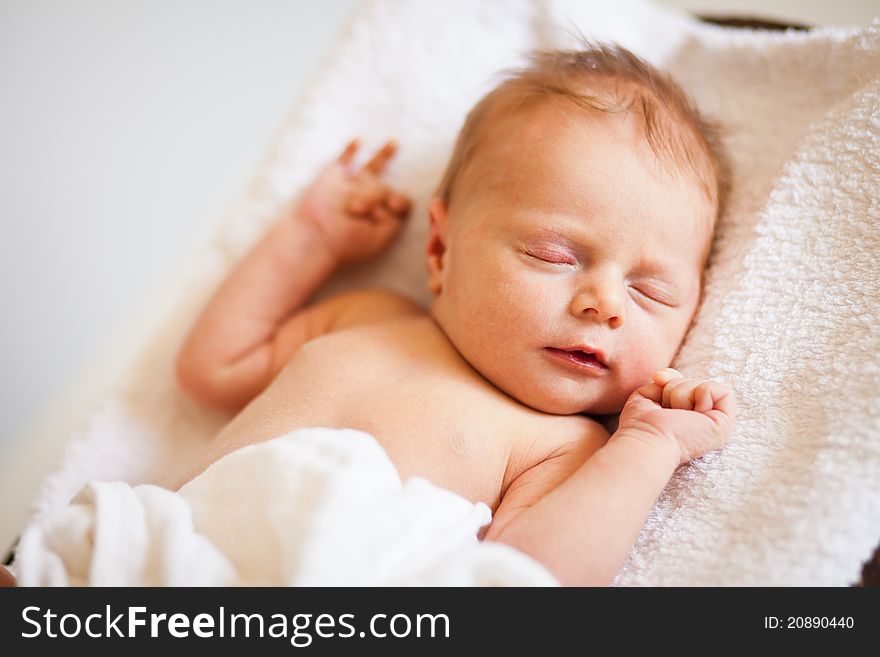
(369, 306)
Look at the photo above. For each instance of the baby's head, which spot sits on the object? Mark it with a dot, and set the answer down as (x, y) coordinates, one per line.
(570, 231)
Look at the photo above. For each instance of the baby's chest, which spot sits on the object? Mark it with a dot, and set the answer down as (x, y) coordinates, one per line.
(433, 421)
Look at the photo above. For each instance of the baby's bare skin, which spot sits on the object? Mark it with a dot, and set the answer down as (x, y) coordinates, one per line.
(543, 259)
(402, 381)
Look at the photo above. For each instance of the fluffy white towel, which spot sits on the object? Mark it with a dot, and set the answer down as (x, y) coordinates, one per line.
(315, 507)
(792, 292)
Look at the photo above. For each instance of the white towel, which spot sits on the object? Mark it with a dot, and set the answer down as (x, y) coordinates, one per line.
(315, 507)
(792, 292)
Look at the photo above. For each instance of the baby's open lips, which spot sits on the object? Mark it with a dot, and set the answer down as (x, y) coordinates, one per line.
(584, 355)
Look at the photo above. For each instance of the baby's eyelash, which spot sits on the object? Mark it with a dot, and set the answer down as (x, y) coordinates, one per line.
(552, 257)
(652, 297)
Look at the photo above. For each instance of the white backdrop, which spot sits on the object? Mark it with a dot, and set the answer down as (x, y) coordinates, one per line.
(128, 127)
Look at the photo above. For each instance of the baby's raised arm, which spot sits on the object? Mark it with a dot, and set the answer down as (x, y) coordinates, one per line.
(581, 517)
(233, 350)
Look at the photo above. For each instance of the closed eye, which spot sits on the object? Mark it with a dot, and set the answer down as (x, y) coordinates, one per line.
(552, 257)
(653, 296)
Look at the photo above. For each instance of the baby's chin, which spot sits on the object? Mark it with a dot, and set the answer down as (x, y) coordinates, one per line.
(576, 407)
(561, 400)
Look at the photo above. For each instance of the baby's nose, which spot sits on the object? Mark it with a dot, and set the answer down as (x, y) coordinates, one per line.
(602, 305)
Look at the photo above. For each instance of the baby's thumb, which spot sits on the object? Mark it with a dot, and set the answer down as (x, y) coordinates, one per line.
(664, 376)
(648, 394)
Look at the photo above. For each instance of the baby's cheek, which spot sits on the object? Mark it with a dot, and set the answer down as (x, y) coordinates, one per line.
(643, 358)
(634, 377)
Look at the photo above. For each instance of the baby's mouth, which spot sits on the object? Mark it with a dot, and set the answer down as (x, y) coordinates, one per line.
(592, 360)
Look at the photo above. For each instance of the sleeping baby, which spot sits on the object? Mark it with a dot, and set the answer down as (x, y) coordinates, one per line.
(565, 254)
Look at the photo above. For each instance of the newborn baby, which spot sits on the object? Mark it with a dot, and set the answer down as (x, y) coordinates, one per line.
(565, 255)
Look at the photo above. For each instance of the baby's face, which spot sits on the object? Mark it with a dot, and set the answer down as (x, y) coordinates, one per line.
(568, 238)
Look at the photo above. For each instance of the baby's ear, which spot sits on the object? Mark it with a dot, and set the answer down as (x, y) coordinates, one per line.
(436, 247)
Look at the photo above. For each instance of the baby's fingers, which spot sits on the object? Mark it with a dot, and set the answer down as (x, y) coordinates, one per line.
(377, 164)
(723, 398)
(375, 231)
(367, 193)
(679, 393)
(711, 396)
(651, 392)
(382, 214)
(348, 154)
(703, 402)
(664, 376)
(399, 204)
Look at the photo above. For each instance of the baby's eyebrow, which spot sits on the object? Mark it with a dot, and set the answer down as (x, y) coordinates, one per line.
(657, 268)
(570, 238)
(663, 273)
(666, 285)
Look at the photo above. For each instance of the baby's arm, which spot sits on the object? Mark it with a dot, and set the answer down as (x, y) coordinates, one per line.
(249, 327)
(580, 518)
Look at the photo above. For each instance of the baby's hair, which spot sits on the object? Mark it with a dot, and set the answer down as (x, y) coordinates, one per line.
(606, 79)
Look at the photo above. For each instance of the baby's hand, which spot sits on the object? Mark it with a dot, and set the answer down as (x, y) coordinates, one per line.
(354, 212)
(694, 416)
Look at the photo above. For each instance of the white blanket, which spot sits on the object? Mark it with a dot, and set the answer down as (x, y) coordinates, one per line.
(792, 300)
(315, 507)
